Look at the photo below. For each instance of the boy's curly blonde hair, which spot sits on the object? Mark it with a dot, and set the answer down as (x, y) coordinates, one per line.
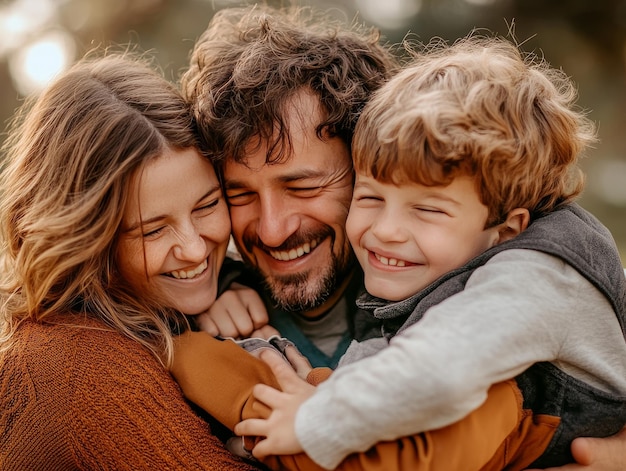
(482, 108)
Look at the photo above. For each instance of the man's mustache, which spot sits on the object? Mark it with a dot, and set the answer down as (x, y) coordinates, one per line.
(251, 240)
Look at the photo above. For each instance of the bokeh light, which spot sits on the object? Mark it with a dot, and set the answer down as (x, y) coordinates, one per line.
(40, 38)
(34, 65)
(608, 181)
(21, 19)
(389, 14)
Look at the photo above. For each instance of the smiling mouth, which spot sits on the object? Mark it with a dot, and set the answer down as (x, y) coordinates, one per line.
(392, 262)
(292, 254)
(188, 274)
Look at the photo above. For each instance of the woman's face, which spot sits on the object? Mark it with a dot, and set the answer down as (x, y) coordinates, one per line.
(175, 230)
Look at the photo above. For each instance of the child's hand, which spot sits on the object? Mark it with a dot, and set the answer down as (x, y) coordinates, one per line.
(278, 428)
(299, 362)
(238, 313)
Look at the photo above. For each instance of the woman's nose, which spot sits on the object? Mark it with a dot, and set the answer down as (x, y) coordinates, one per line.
(191, 245)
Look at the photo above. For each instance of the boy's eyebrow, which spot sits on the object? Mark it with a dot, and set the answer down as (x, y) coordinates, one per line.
(430, 193)
(138, 224)
(442, 197)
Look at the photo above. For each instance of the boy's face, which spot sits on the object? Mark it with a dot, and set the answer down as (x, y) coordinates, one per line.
(406, 236)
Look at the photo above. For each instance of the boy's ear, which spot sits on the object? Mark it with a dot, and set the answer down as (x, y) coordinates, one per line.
(516, 221)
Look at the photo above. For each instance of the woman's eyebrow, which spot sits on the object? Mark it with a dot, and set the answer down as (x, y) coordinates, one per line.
(136, 225)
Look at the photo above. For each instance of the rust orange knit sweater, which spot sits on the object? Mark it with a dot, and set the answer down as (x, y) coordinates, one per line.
(86, 398)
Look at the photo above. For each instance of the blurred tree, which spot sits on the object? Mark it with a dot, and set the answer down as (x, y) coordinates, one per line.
(586, 38)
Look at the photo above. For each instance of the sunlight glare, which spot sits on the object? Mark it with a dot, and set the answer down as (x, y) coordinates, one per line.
(20, 19)
(392, 14)
(34, 65)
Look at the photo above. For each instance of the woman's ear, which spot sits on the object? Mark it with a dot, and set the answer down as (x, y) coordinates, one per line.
(516, 221)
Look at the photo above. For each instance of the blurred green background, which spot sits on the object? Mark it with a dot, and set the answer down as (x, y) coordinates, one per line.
(586, 38)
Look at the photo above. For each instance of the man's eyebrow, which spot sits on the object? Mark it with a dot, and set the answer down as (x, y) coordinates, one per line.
(235, 184)
(302, 175)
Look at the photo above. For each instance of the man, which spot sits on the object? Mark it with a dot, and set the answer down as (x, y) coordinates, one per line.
(276, 97)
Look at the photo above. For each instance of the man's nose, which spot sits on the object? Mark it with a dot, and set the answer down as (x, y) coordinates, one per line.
(278, 219)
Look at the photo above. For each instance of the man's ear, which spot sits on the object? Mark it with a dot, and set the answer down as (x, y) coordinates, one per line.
(516, 221)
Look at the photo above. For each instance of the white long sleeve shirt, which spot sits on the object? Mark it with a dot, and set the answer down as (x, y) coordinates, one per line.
(521, 307)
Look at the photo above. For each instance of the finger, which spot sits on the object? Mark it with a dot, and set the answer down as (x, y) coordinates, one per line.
(224, 323)
(252, 302)
(251, 427)
(240, 317)
(230, 315)
(205, 323)
(256, 308)
(287, 378)
(267, 395)
(581, 451)
(299, 362)
(261, 411)
(261, 450)
(265, 332)
(232, 309)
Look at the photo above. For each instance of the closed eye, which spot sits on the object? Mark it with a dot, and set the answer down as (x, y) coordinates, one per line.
(241, 199)
(367, 198)
(210, 205)
(305, 192)
(428, 211)
(153, 233)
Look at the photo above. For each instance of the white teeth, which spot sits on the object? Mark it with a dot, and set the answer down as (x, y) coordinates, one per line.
(294, 253)
(186, 274)
(394, 262)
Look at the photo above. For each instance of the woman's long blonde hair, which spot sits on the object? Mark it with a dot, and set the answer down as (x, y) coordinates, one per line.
(67, 165)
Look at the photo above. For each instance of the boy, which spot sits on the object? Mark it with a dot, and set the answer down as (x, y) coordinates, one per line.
(476, 261)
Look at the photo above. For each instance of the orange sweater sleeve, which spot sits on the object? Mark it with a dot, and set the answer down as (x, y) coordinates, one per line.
(219, 377)
(498, 435)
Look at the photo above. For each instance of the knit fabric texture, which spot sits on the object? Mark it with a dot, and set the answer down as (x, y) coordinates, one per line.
(86, 397)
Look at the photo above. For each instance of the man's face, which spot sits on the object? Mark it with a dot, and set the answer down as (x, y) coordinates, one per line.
(288, 219)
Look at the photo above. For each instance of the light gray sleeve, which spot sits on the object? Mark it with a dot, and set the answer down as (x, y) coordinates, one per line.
(520, 308)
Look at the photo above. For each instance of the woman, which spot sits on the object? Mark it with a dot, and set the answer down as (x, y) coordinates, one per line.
(112, 226)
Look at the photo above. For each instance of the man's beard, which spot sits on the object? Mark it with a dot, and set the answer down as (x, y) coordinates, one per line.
(303, 292)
